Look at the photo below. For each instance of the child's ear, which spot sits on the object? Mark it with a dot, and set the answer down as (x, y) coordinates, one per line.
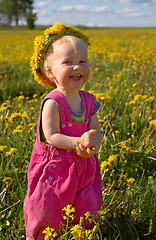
(49, 73)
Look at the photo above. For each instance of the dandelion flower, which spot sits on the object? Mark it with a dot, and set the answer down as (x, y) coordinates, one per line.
(153, 123)
(7, 179)
(112, 158)
(104, 164)
(123, 145)
(2, 148)
(146, 131)
(130, 180)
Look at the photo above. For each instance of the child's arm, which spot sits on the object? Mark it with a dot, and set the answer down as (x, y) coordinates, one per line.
(86, 145)
(51, 127)
(94, 124)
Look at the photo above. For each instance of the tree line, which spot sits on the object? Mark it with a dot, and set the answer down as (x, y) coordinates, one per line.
(11, 11)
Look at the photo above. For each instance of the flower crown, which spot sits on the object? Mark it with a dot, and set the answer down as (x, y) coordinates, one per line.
(42, 43)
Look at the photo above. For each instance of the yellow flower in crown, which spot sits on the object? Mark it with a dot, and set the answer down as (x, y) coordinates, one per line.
(42, 43)
(57, 28)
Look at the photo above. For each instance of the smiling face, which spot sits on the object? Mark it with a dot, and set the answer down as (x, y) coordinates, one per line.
(67, 63)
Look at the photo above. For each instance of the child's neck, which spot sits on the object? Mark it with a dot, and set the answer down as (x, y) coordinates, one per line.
(68, 92)
(74, 99)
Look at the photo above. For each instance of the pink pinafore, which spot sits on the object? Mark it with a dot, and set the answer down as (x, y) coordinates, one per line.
(58, 177)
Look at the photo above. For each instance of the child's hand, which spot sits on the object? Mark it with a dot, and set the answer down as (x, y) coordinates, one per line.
(87, 146)
(89, 139)
(85, 152)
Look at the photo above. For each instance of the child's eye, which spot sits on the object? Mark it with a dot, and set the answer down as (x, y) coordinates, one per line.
(82, 61)
(68, 62)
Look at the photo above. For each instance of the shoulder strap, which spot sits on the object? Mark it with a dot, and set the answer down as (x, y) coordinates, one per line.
(62, 104)
(89, 103)
(63, 108)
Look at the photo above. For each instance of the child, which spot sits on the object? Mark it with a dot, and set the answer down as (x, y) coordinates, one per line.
(64, 168)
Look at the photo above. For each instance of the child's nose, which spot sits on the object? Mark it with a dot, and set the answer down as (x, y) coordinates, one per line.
(76, 66)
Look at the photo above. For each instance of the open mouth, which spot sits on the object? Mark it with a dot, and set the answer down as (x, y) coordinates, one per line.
(76, 77)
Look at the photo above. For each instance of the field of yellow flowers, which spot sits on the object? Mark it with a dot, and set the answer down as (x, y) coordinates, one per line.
(123, 79)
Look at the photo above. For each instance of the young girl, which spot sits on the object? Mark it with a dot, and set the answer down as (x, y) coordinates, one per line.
(64, 168)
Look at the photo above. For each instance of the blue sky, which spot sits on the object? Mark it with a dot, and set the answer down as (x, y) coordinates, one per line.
(137, 13)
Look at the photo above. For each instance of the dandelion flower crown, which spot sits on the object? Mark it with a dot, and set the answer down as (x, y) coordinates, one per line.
(41, 44)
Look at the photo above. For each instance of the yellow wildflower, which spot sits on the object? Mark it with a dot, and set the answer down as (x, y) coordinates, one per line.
(14, 115)
(127, 149)
(68, 209)
(32, 124)
(153, 123)
(35, 95)
(7, 179)
(12, 150)
(92, 92)
(24, 114)
(123, 145)
(8, 153)
(100, 120)
(2, 148)
(38, 41)
(133, 212)
(137, 97)
(135, 84)
(106, 97)
(3, 108)
(149, 118)
(130, 180)
(132, 124)
(49, 233)
(87, 215)
(21, 97)
(132, 102)
(76, 231)
(122, 175)
(104, 164)
(152, 98)
(112, 159)
(146, 131)
(16, 131)
(144, 96)
(55, 29)
(130, 140)
(117, 132)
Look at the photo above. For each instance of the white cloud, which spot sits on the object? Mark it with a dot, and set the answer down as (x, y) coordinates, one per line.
(97, 13)
(66, 8)
(101, 9)
(129, 12)
(41, 4)
(140, 2)
(83, 8)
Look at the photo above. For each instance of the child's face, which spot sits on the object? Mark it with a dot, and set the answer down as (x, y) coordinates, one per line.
(69, 64)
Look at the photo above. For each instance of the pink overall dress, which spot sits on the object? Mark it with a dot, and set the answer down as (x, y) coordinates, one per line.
(58, 177)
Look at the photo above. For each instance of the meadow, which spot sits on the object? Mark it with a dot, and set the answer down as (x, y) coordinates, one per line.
(123, 79)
